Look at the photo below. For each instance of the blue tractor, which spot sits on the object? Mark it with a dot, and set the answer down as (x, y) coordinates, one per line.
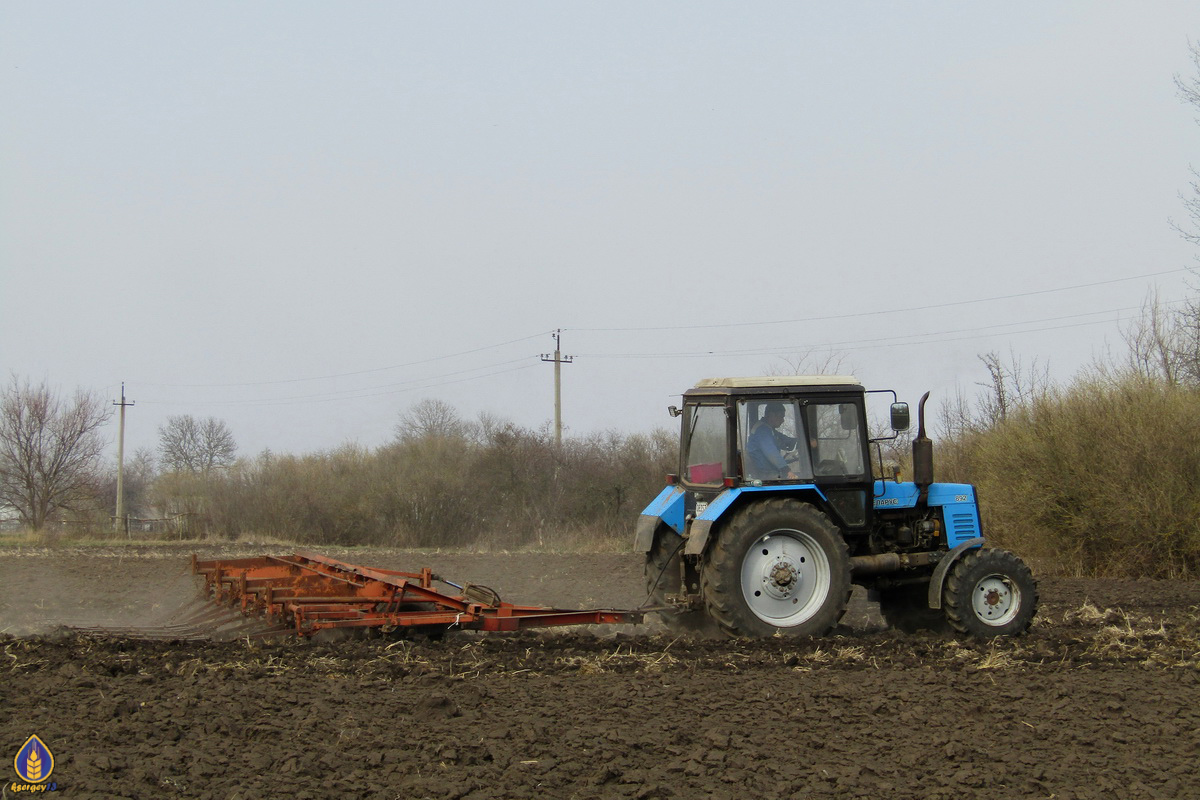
(775, 513)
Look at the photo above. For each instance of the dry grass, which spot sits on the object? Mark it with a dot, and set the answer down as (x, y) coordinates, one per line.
(1113, 634)
(624, 658)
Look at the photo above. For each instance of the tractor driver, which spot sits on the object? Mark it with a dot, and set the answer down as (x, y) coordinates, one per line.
(766, 444)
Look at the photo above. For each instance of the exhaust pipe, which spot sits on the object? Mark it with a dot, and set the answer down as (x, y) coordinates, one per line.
(922, 454)
(882, 563)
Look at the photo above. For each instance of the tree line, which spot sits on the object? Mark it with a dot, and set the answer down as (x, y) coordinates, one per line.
(1096, 476)
(442, 481)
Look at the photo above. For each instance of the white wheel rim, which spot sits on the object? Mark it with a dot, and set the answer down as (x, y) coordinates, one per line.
(996, 600)
(785, 578)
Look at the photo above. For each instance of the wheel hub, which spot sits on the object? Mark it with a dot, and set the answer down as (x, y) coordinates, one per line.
(996, 600)
(785, 577)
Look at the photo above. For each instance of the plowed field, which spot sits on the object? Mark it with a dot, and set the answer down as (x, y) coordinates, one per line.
(1100, 700)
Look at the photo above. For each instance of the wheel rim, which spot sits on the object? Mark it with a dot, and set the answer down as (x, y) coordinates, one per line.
(996, 600)
(785, 578)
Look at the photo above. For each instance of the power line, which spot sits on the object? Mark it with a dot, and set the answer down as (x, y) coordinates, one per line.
(885, 341)
(343, 393)
(429, 360)
(726, 325)
(866, 344)
(341, 398)
(853, 315)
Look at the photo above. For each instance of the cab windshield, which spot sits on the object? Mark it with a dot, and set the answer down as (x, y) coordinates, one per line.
(788, 440)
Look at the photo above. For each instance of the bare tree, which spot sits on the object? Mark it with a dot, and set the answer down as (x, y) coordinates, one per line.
(430, 419)
(186, 444)
(50, 450)
(812, 362)
(1160, 344)
(1187, 342)
(1189, 92)
(1010, 387)
(1187, 328)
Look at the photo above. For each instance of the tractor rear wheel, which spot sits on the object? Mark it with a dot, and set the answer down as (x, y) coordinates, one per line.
(779, 565)
(990, 593)
(663, 578)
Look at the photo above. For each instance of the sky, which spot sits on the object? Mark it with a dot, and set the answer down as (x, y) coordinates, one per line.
(303, 218)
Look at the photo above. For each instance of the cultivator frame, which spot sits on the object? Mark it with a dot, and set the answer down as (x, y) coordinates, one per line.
(308, 593)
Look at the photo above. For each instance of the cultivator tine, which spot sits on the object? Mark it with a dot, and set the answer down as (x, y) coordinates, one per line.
(202, 622)
(147, 634)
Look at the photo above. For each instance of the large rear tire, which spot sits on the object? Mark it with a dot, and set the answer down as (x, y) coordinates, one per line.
(990, 593)
(779, 565)
(663, 578)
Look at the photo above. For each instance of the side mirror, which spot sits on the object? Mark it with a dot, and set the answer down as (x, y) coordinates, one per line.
(900, 417)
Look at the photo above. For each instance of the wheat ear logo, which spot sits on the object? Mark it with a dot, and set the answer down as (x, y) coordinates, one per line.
(34, 761)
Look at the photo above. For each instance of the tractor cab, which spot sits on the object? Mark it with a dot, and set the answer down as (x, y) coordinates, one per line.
(776, 431)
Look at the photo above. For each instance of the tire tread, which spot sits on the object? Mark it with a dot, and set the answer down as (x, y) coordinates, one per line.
(956, 600)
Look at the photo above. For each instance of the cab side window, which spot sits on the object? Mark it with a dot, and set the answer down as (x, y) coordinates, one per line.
(707, 445)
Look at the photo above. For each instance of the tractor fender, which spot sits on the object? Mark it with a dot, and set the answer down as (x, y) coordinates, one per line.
(939, 573)
(668, 508)
(701, 528)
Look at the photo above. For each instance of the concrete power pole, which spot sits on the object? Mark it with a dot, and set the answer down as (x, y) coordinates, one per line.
(559, 359)
(121, 520)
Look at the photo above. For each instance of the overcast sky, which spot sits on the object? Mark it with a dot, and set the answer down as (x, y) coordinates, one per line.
(302, 218)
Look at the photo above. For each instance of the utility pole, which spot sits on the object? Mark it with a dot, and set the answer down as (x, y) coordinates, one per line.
(559, 359)
(121, 520)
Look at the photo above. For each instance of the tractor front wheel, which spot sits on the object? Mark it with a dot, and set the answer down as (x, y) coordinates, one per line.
(778, 566)
(990, 593)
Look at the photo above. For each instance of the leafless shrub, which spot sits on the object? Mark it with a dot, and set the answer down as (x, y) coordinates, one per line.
(1097, 478)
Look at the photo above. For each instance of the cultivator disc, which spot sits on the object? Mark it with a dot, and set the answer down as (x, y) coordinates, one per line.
(306, 593)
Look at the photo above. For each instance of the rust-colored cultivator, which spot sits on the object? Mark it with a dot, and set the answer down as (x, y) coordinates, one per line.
(307, 593)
